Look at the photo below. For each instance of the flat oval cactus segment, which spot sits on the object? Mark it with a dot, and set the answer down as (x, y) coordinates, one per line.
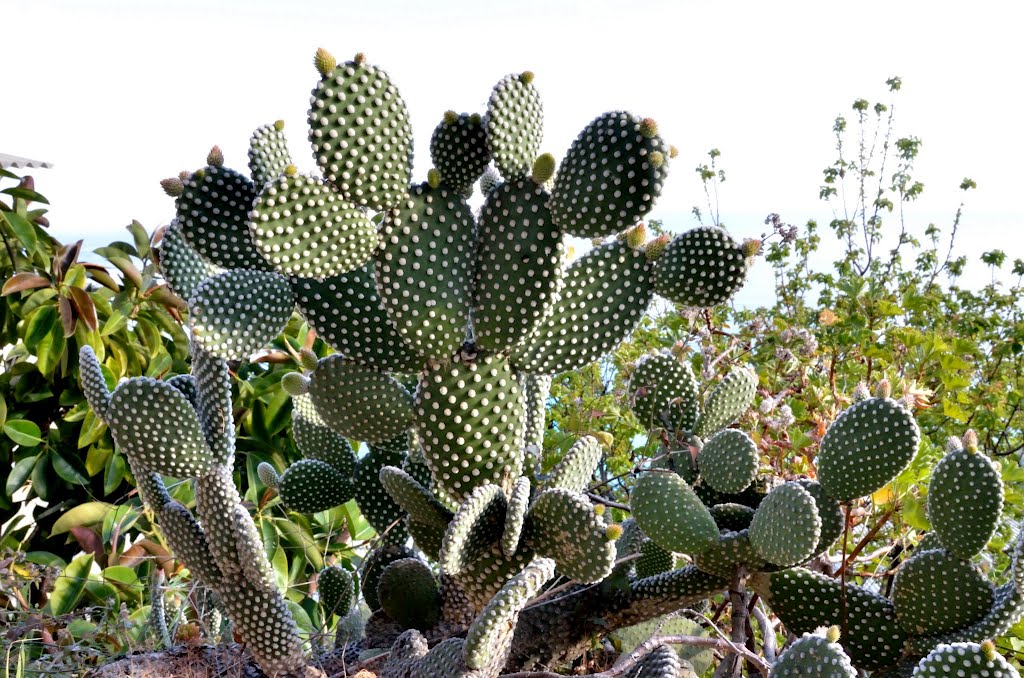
(657, 380)
(604, 296)
(668, 512)
(425, 268)
(936, 592)
(214, 214)
(575, 470)
(375, 503)
(310, 485)
(347, 312)
(653, 560)
(181, 266)
(427, 538)
(563, 525)
(732, 550)
(337, 590)
(965, 501)
(965, 659)
(303, 228)
(831, 514)
(661, 662)
(358, 402)
(813, 655)
(316, 440)
(476, 526)
(414, 499)
(515, 125)
(444, 660)
(157, 428)
(458, 149)
(408, 593)
(728, 461)
(702, 267)
(868, 445)
(611, 176)
(786, 526)
(268, 153)
(361, 137)
(1004, 613)
(492, 569)
(732, 517)
(535, 389)
(378, 559)
(94, 385)
(519, 265)
(236, 313)
(515, 516)
(469, 419)
(728, 401)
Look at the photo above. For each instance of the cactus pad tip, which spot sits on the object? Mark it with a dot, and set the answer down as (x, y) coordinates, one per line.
(279, 125)
(883, 389)
(543, 168)
(657, 159)
(613, 532)
(832, 634)
(648, 128)
(526, 77)
(673, 152)
(655, 248)
(215, 158)
(433, 178)
(173, 186)
(475, 119)
(635, 237)
(324, 61)
(970, 440)
(599, 509)
(751, 247)
(308, 359)
(359, 58)
(450, 117)
(295, 384)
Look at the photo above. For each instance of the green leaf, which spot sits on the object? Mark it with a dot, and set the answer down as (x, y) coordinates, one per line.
(25, 194)
(3, 410)
(67, 469)
(84, 515)
(96, 459)
(70, 586)
(114, 472)
(23, 432)
(23, 230)
(19, 474)
(954, 411)
(119, 574)
(39, 326)
(51, 351)
(92, 430)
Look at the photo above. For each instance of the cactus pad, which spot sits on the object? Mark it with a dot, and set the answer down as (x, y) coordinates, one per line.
(424, 269)
(469, 419)
(378, 559)
(702, 267)
(515, 516)
(564, 526)
(268, 153)
(936, 592)
(444, 660)
(653, 560)
(409, 595)
(515, 125)
(575, 470)
(315, 440)
(376, 505)
(965, 501)
(214, 215)
(832, 518)
(733, 517)
(361, 137)
(181, 266)
(1006, 611)
(668, 512)
(535, 389)
(519, 264)
(868, 445)
(360, 403)
(94, 385)
(477, 525)
(337, 590)
(728, 461)
(303, 228)
(458, 149)
(610, 177)
(268, 475)
(965, 659)
(786, 526)
(236, 313)
(727, 402)
(310, 485)
(604, 296)
(414, 499)
(813, 656)
(346, 311)
(657, 380)
(732, 550)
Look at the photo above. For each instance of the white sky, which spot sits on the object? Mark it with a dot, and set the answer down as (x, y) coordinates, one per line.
(121, 94)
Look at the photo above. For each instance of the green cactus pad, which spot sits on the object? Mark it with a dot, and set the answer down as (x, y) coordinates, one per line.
(676, 588)
(732, 550)
(703, 267)
(728, 461)
(414, 499)
(806, 600)
(752, 496)
(315, 440)
(311, 485)
(408, 594)
(268, 475)
(868, 445)
(535, 389)
(935, 592)
(213, 404)
(679, 461)
(425, 269)
(427, 538)
(268, 154)
(361, 137)
(965, 501)
(489, 572)
(831, 514)
(515, 125)
(965, 659)
(657, 380)
(337, 590)
(181, 266)
(358, 402)
(188, 386)
(489, 639)
(303, 228)
(156, 427)
(563, 525)
(458, 149)
(476, 526)
(604, 296)
(346, 311)
(575, 470)
(469, 419)
(94, 385)
(519, 265)
(444, 660)
(608, 180)
(515, 516)
(814, 657)
(489, 181)
(653, 560)
(188, 541)
(661, 662)
(668, 512)
(786, 526)
(1004, 613)
(405, 655)
(733, 517)
(629, 639)
(214, 215)
(727, 402)
(236, 313)
(373, 567)
(376, 505)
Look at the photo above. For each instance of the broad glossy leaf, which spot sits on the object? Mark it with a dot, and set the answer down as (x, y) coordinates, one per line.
(70, 585)
(84, 515)
(23, 432)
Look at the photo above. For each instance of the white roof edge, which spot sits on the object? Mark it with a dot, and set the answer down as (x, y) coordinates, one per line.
(16, 161)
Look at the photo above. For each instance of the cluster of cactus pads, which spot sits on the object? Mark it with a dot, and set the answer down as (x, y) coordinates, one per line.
(448, 326)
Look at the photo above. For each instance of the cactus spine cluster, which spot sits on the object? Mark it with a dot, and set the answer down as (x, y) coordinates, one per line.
(447, 328)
